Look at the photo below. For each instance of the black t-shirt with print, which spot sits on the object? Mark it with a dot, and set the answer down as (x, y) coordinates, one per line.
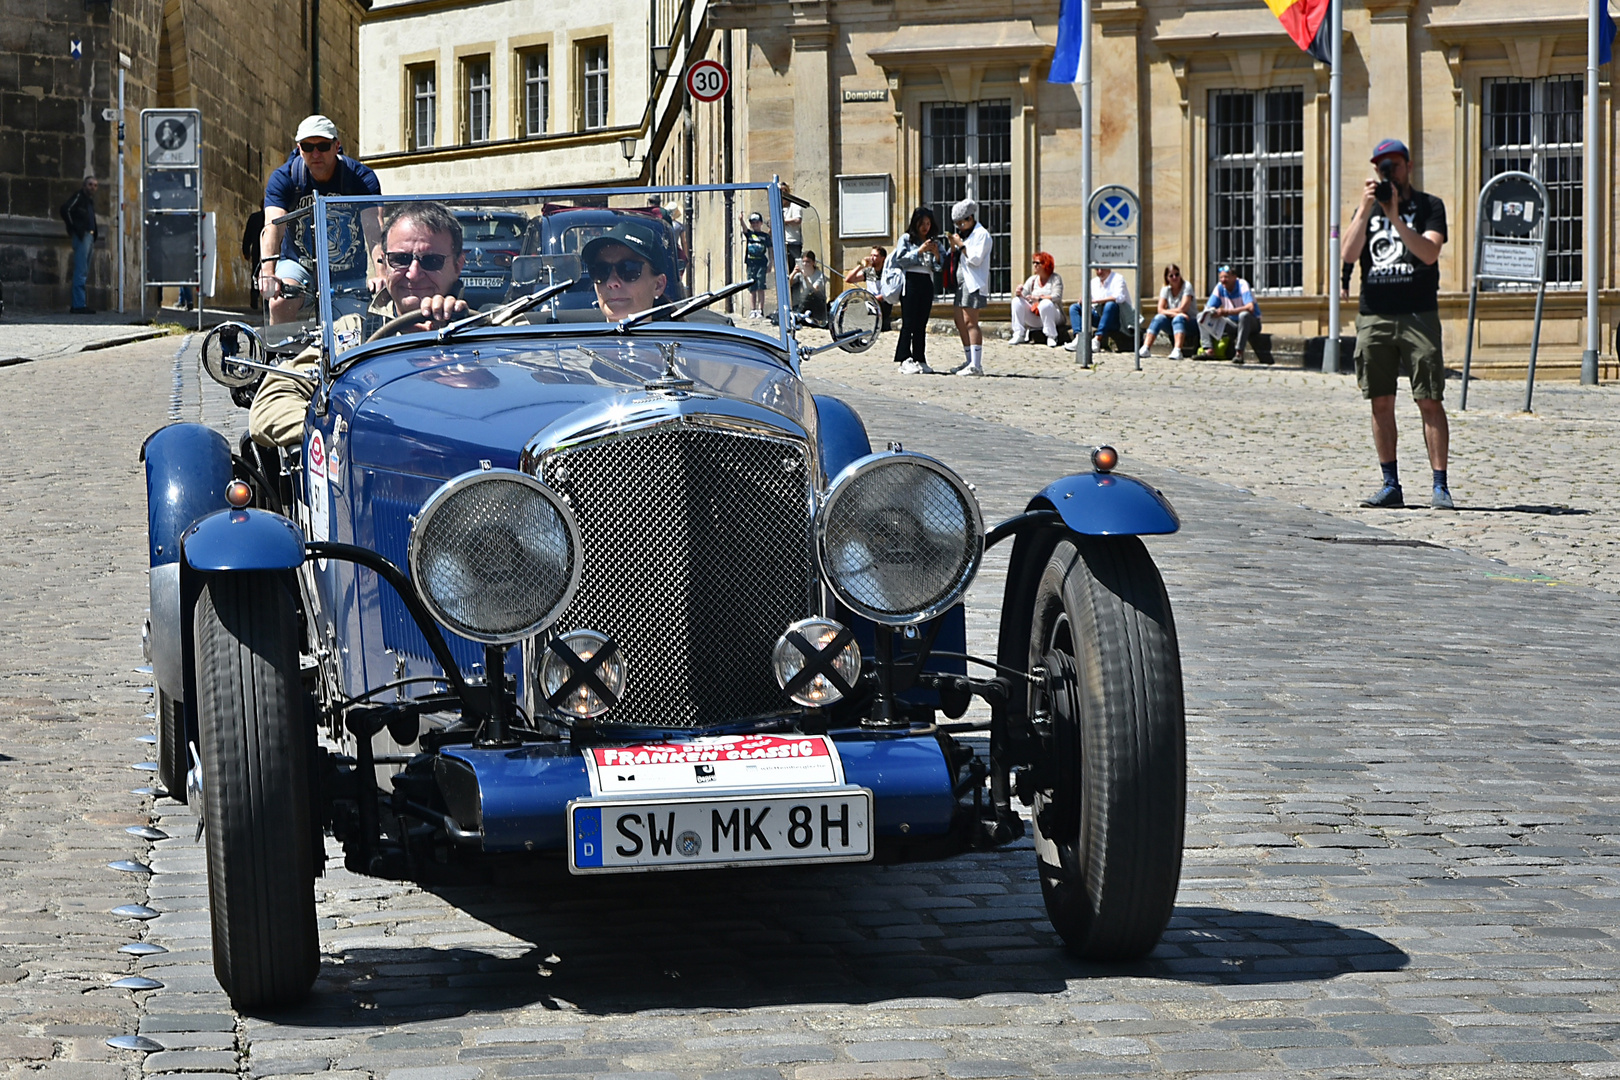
(1393, 280)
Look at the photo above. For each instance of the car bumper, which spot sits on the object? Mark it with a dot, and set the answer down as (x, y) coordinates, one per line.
(517, 799)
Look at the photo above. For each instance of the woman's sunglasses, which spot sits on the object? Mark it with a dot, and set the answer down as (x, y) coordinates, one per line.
(315, 146)
(401, 260)
(627, 269)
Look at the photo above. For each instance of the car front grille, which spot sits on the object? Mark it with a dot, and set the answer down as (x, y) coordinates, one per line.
(696, 553)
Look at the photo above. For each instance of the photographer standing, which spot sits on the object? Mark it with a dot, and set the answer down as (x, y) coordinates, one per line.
(1397, 234)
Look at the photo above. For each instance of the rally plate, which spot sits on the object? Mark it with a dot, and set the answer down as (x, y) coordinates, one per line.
(620, 836)
(484, 282)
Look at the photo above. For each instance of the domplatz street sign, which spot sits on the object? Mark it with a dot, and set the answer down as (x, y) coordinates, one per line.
(1510, 248)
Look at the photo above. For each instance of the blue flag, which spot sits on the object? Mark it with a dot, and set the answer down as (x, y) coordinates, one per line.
(1605, 33)
(1066, 60)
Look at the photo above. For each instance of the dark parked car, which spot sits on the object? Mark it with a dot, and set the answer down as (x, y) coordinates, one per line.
(627, 595)
(491, 239)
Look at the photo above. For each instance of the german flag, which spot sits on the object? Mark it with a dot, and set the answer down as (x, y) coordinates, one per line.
(1307, 23)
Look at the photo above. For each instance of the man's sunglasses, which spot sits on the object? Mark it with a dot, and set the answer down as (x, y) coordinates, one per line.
(316, 146)
(401, 260)
(628, 270)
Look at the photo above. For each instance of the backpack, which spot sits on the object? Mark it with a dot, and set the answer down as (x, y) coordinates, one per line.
(892, 284)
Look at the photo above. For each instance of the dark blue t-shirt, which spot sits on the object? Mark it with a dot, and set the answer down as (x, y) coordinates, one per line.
(291, 188)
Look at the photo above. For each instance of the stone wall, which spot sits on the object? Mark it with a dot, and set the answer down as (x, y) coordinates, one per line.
(249, 71)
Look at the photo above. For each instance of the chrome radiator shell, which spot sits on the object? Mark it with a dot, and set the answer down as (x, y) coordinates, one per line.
(696, 555)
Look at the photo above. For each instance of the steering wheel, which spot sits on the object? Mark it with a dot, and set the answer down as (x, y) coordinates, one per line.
(396, 325)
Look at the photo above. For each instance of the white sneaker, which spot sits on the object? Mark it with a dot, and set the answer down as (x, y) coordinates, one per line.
(1144, 352)
(1072, 345)
(1175, 354)
(1051, 342)
(1018, 339)
(910, 367)
(969, 369)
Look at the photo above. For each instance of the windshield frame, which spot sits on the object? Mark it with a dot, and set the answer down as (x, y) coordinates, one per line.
(323, 204)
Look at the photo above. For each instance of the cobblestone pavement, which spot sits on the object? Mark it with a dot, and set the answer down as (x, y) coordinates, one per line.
(1401, 857)
(1533, 490)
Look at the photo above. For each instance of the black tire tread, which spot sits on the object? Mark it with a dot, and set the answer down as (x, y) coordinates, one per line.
(1117, 905)
(256, 780)
(173, 760)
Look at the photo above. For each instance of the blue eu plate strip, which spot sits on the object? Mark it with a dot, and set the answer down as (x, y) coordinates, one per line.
(588, 836)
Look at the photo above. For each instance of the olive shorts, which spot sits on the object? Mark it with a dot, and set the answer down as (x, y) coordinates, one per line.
(1383, 341)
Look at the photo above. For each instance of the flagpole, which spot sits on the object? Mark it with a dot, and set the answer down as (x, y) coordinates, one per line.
(1083, 332)
(1330, 349)
(1592, 261)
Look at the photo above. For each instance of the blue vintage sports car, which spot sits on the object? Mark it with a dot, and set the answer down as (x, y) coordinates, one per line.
(624, 592)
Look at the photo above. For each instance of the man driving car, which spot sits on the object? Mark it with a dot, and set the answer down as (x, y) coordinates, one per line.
(629, 269)
(422, 261)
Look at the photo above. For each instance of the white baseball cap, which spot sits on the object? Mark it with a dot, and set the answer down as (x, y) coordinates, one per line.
(320, 127)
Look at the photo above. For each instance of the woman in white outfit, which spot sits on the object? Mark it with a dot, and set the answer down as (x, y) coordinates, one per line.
(1039, 302)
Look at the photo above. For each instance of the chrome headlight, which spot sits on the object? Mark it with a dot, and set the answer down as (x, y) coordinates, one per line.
(495, 555)
(899, 537)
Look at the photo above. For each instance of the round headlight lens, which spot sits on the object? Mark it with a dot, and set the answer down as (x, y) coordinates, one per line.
(788, 660)
(899, 537)
(495, 555)
(582, 700)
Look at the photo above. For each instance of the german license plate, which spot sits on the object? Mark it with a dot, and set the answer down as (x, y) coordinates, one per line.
(617, 836)
(483, 282)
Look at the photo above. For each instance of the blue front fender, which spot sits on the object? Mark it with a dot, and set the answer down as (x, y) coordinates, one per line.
(1108, 504)
(841, 434)
(188, 467)
(243, 540)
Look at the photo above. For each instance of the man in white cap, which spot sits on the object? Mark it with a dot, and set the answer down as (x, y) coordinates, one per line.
(316, 166)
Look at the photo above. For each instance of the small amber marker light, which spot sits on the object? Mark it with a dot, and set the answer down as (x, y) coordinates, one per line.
(238, 494)
(1104, 458)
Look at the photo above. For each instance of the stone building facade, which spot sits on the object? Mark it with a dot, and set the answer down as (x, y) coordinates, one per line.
(1206, 109)
(254, 77)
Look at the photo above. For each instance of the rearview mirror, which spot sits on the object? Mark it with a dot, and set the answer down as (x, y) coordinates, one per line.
(855, 320)
(543, 270)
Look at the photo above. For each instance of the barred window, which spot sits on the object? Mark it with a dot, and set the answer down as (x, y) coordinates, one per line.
(1257, 187)
(475, 72)
(424, 108)
(1534, 126)
(536, 93)
(967, 154)
(594, 86)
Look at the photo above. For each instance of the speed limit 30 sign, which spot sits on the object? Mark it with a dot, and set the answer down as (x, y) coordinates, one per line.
(707, 80)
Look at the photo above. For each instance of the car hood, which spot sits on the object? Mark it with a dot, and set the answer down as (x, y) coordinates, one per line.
(439, 411)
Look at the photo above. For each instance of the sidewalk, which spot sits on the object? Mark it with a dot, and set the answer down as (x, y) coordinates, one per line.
(1536, 491)
(34, 335)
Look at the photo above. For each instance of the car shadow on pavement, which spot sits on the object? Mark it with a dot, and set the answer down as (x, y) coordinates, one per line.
(748, 938)
(1522, 508)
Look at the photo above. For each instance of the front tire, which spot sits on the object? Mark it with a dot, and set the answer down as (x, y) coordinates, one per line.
(254, 748)
(1110, 806)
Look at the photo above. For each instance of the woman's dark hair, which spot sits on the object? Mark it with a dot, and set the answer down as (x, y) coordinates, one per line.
(1172, 269)
(917, 217)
